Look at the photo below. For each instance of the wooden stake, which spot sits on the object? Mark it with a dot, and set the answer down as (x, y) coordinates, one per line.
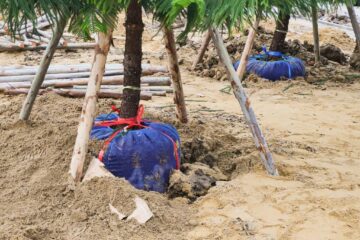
(89, 107)
(179, 99)
(44, 65)
(202, 50)
(245, 104)
(314, 15)
(247, 49)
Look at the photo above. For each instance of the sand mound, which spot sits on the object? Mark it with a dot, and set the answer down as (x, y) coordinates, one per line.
(36, 196)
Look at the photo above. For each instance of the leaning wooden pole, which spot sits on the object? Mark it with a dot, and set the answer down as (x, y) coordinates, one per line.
(89, 107)
(44, 65)
(314, 15)
(202, 50)
(179, 98)
(245, 104)
(247, 49)
(355, 24)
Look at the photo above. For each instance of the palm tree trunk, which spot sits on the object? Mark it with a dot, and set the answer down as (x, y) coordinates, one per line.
(89, 107)
(245, 104)
(202, 49)
(282, 26)
(179, 99)
(247, 49)
(132, 60)
(314, 14)
(44, 65)
(355, 25)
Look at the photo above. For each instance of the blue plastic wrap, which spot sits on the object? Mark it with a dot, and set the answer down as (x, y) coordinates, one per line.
(286, 67)
(145, 157)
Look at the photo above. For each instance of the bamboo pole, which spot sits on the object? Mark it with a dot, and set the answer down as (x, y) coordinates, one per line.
(245, 104)
(354, 24)
(24, 78)
(314, 15)
(109, 80)
(179, 98)
(89, 106)
(49, 36)
(102, 93)
(202, 50)
(147, 69)
(80, 93)
(247, 49)
(20, 91)
(39, 25)
(121, 87)
(44, 65)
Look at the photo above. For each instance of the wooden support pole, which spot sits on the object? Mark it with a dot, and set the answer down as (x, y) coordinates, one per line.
(247, 50)
(314, 15)
(245, 104)
(354, 24)
(89, 107)
(44, 65)
(202, 50)
(179, 98)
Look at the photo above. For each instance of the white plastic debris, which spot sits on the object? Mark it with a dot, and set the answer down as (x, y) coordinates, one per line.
(96, 169)
(115, 211)
(142, 213)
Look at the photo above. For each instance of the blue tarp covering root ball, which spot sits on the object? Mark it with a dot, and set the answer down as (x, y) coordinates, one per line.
(145, 157)
(286, 67)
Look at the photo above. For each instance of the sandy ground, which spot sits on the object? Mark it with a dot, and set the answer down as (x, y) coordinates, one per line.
(312, 131)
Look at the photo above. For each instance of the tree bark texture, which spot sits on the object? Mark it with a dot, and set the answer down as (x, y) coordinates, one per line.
(282, 26)
(89, 107)
(132, 60)
(44, 65)
(314, 14)
(179, 98)
(355, 25)
(245, 104)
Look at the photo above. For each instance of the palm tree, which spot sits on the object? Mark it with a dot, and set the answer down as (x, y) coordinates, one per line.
(83, 16)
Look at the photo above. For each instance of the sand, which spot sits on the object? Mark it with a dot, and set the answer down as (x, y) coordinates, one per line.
(313, 132)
